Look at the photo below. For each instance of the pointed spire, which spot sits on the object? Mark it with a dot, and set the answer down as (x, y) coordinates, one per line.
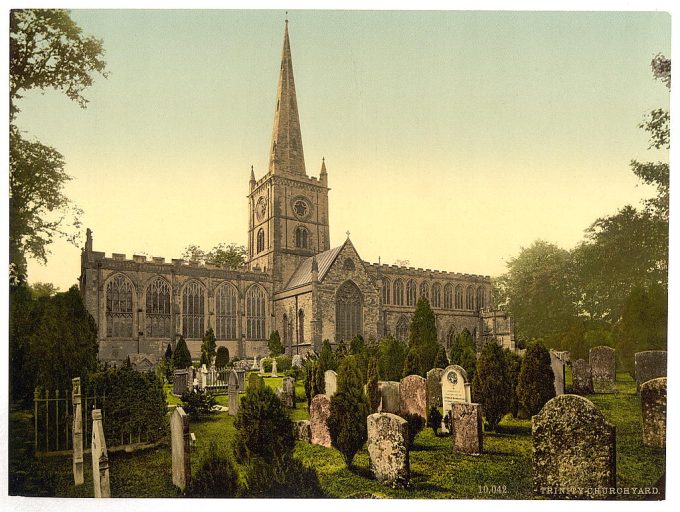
(323, 165)
(286, 155)
(252, 174)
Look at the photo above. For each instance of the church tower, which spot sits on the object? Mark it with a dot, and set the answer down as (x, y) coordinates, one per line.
(288, 219)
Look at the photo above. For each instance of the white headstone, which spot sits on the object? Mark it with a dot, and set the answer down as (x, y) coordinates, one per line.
(274, 369)
(180, 444)
(455, 386)
(331, 381)
(255, 366)
(297, 361)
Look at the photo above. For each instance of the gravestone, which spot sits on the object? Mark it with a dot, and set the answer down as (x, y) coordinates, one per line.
(573, 448)
(241, 374)
(331, 381)
(455, 386)
(203, 377)
(389, 396)
(100, 457)
(233, 392)
(581, 377)
(303, 431)
(179, 382)
(261, 372)
(181, 448)
(653, 400)
(434, 387)
(602, 361)
(650, 364)
(297, 361)
(254, 381)
(255, 366)
(413, 396)
(274, 369)
(319, 411)
(287, 393)
(78, 465)
(557, 365)
(387, 447)
(466, 428)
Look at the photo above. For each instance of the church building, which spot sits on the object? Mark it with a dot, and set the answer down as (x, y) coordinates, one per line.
(292, 282)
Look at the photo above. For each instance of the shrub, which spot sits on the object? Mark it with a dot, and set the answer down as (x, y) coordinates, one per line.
(391, 355)
(464, 354)
(535, 386)
(423, 335)
(309, 379)
(181, 358)
(216, 477)
(288, 479)
(349, 410)
(491, 386)
(434, 419)
(327, 357)
(283, 363)
(340, 351)
(441, 361)
(415, 425)
(513, 362)
(318, 380)
(372, 389)
(222, 357)
(412, 364)
(274, 344)
(198, 404)
(208, 347)
(357, 345)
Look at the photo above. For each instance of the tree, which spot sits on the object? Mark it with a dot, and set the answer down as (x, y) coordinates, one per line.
(536, 378)
(463, 353)
(216, 477)
(274, 344)
(209, 345)
(357, 345)
(491, 386)
(181, 358)
(340, 351)
(318, 380)
(349, 410)
(441, 361)
(229, 256)
(372, 388)
(423, 335)
(327, 358)
(222, 358)
(513, 363)
(391, 355)
(412, 364)
(40, 289)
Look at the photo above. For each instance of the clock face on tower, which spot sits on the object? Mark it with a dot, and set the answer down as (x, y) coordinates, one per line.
(261, 208)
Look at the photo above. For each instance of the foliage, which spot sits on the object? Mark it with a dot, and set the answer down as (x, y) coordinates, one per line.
(135, 401)
(357, 345)
(415, 425)
(391, 355)
(536, 378)
(318, 380)
(229, 256)
(40, 289)
(283, 363)
(372, 390)
(513, 363)
(274, 344)
(349, 410)
(209, 345)
(222, 357)
(491, 386)
(423, 335)
(412, 363)
(434, 419)
(441, 361)
(327, 358)
(309, 368)
(181, 358)
(340, 351)
(463, 353)
(198, 404)
(289, 479)
(216, 477)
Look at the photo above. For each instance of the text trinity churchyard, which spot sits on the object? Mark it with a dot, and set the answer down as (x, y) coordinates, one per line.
(292, 367)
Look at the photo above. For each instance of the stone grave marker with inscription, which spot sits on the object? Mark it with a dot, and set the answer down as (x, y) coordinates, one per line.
(388, 450)
(602, 361)
(100, 458)
(581, 377)
(319, 411)
(413, 396)
(180, 440)
(653, 400)
(466, 428)
(389, 396)
(434, 387)
(650, 364)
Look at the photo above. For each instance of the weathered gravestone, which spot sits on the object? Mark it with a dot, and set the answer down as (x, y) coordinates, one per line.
(241, 374)
(466, 428)
(455, 388)
(574, 448)
(581, 377)
(296, 361)
(434, 387)
(233, 392)
(180, 440)
(413, 396)
(100, 458)
(78, 475)
(202, 377)
(557, 364)
(303, 430)
(389, 396)
(330, 379)
(287, 393)
(275, 372)
(387, 447)
(603, 367)
(319, 411)
(650, 364)
(255, 366)
(179, 382)
(653, 401)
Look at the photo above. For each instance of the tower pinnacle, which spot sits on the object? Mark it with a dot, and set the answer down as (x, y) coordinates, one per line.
(286, 154)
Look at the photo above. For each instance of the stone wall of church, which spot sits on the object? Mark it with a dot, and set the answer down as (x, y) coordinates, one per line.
(291, 307)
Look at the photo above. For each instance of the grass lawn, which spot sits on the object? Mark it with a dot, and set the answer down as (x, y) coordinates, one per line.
(436, 472)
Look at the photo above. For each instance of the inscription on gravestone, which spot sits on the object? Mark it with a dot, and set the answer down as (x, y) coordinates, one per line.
(455, 386)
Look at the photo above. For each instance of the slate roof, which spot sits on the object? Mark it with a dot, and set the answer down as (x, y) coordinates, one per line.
(303, 274)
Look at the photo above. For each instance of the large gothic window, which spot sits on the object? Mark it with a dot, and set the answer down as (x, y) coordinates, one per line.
(401, 331)
(226, 306)
(119, 308)
(436, 296)
(348, 312)
(301, 326)
(448, 296)
(255, 313)
(301, 237)
(260, 240)
(193, 311)
(158, 309)
(481, 298)
(411, 293)
(386, 290)
(459, 297)
(469, 298)
(424, 291)
(398, 293)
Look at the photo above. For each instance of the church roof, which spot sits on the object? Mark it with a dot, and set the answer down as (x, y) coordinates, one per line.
(303, 274)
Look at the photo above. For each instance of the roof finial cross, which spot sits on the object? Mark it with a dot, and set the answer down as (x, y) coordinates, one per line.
(348, 233)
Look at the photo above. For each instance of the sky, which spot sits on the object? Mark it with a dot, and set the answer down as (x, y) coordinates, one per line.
(451, 139)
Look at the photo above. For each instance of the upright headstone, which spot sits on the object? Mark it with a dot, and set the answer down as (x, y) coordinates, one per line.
(190, 378)
(303, 431)
(203, 377)
(434, 387)
(455, 386)
(241, 374)
(466, 428)
(653, 400)
(179, 382)
(389, 396)
(319, 411)
(413, 396)
(297, 361)
(581, 377)
(261, 372)
(574, 448)
(274, 369)
(387, 447)
(288, 392)
(255, 365)
(331, 380)
(557, 365)
(100, 458)
(78, 475)
(603, 367)
(181, 448)
(650, 364)
(233, 392)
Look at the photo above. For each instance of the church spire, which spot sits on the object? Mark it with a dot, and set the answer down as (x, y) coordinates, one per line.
(286, 154)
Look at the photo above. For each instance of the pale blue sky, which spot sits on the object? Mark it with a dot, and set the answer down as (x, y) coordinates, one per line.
(451, 138)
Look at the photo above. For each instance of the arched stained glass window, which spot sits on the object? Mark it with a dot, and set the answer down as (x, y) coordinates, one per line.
(386, 290)
(193, 310)
(411, 293)
(436, 298)
(448, 296)
(481, 298)
(401, 332)
(398, 293)
(255, 313)
(348, 312)
(301, 237)
(260, 240)
(158, 309)
(119, 308)
(459, 297)
(469, 298)
(301, 326)
(424, 291)
(226, 307)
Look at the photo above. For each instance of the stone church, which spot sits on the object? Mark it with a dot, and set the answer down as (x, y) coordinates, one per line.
(293, 281)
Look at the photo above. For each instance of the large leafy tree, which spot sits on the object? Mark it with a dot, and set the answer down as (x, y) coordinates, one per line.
(230, 256)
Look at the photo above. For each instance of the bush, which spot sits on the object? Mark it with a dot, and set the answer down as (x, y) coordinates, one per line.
(536, 379)
(415, 425)
(513, 362)
(274, 344)
(208, 346)
(222, 357)
(412, 364)
(491, 386)
(441, 361)
(391, 355)
(357, 345)
(181, 358)
(198, 404)
(340, 351)
(289, 478)
(372, 389)
(283, 363)
(434, 419)
(216, 477)
(308, 367)
(327, 358)
(464, 353)
(318, 380)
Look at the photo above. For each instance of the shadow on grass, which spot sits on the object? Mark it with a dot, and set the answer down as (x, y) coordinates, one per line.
(512, 430)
